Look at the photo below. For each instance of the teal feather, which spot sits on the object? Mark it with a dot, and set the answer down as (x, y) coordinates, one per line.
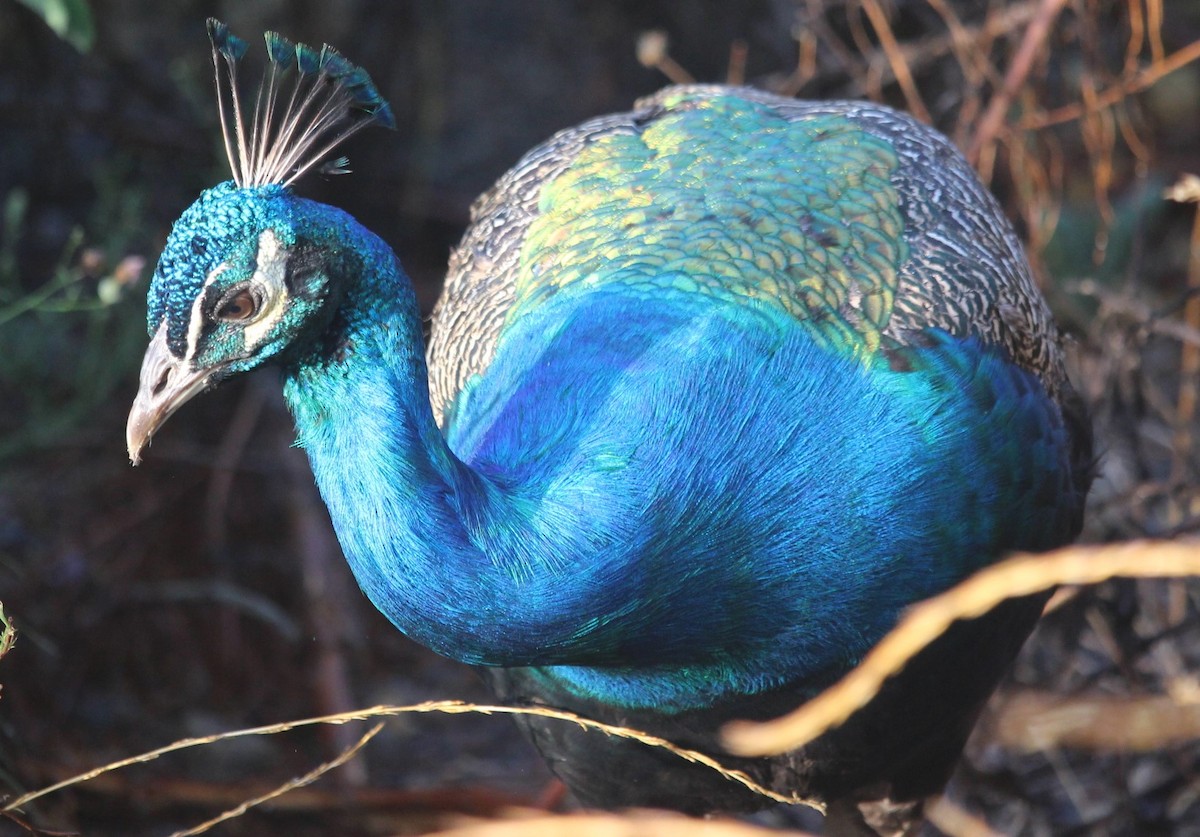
(285, 137)
(719, 388)
(308, 60)
(338, 165)
(333, 64)
(229, 45)
(280, 50)
(381, 112)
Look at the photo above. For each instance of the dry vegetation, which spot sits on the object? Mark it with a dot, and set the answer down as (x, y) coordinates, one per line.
(1083, 115)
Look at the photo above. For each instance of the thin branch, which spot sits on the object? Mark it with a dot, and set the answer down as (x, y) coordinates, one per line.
(954, 821)
(1154, 22)
(1189, 361)
(652, 54)
(1112, 95)
(449, 707)
(1033, 721)
(1031, 44)
(626, 824)
(1019, 576)
(290, 785)
(895, 56)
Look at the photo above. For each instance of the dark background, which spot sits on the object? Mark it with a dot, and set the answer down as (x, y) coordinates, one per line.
(203, 592)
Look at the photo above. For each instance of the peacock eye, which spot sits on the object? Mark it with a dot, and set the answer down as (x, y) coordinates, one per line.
(237, 306)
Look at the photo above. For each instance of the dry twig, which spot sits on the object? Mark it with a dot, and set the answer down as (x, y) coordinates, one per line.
(1188, 190)
(634, 824)
(1018, 576)
(891, 48)
(299, 782)
(449, 707)
(954, 821)
(979, 151)
(1110, 96)
(1036, 722)
(652, 53)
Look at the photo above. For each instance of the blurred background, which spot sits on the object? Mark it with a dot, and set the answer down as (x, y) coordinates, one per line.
(204, 591)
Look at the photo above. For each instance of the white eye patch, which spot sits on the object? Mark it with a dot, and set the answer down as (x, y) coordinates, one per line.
(270, 272)
(196, 319)
(270, 275)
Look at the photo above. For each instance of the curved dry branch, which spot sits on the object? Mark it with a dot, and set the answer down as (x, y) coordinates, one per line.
(925, 622)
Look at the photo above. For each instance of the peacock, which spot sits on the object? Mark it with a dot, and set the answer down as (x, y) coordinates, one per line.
(715, 389)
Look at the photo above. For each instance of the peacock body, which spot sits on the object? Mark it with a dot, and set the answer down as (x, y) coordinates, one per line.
(715, 389)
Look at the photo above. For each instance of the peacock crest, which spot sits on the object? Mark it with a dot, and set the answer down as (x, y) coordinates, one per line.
(291, 128)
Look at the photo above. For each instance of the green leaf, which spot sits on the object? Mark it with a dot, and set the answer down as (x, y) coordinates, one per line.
(71, 20)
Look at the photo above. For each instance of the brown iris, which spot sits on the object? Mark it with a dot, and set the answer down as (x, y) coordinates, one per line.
(237, 306)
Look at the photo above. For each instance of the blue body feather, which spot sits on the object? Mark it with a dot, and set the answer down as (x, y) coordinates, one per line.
(624, 505)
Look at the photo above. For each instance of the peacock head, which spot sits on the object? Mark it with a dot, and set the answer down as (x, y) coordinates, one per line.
(250, 270)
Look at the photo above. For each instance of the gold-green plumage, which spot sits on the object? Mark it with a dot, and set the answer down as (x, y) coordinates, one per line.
(859, 222)
(648, 210)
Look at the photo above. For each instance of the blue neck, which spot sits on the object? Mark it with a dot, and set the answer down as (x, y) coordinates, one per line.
(401, 502)
(601, 519)
(460, 559)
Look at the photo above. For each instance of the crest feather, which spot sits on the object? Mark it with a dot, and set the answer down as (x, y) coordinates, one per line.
(290, 132)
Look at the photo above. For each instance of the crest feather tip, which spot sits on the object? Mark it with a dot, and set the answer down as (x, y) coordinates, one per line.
(224, 41)
(279, 49)
(307, 59)
(383, 115)
(288, 134)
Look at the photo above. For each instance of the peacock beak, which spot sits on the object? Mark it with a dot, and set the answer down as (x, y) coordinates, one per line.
(165, 383)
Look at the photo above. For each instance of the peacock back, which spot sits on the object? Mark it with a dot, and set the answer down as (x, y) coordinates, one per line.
(863, 224)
